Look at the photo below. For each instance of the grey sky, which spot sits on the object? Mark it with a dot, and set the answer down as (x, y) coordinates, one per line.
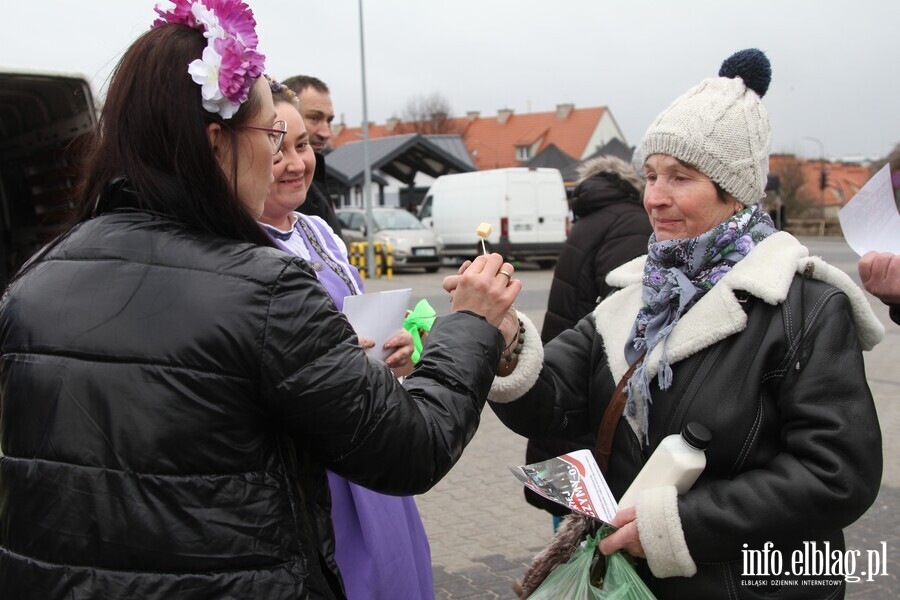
(835, 76)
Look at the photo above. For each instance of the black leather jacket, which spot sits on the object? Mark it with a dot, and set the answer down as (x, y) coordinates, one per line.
(796, 452)
(170, 401)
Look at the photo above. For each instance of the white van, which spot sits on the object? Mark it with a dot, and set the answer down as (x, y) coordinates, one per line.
(43, 118)
(526, 207)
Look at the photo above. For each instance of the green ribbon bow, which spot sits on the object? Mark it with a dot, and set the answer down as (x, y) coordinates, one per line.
(421, 318)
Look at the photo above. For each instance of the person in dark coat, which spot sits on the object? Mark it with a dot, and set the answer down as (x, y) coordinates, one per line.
(611, 228)
(318, 114)
(174, 386)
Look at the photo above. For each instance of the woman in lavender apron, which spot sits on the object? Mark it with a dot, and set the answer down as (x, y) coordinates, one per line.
(381, 546)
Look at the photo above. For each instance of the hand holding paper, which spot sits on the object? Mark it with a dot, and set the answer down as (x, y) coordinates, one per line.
(377, 316)
(573, 480)
(870, 220)
(880, 275)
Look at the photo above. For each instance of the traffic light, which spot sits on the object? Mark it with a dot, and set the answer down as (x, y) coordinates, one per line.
(823, 179)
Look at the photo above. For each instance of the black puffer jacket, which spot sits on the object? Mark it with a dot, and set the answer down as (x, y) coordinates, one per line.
(611, 228)
(169, 403)
(771, 363)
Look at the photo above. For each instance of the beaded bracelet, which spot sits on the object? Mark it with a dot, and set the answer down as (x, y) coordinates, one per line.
(520, 338)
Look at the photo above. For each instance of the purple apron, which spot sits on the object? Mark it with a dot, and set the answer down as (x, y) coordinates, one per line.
(381, 546)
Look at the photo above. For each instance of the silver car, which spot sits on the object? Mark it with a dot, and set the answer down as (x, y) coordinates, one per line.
(412, 244)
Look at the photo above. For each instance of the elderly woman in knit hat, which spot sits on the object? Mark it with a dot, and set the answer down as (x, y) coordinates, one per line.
(731, 324)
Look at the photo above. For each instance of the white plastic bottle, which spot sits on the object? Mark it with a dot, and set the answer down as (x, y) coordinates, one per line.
(678, 460)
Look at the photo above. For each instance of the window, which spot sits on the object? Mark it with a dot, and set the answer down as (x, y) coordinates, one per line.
(396, 219)
(425, 211)
(357, 221)
(523, 152)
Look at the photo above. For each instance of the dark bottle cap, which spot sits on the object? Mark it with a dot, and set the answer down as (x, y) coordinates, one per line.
(696, 435)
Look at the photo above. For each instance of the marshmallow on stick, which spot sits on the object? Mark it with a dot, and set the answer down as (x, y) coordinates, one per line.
(484, 231)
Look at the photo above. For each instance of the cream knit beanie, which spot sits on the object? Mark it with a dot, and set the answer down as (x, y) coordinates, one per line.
(721, 127)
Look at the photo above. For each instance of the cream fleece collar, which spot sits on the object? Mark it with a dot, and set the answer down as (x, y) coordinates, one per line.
(766, 273)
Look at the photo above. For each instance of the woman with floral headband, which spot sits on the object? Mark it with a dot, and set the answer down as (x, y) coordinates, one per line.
(731, 324)
(174, 386)
(380, 542)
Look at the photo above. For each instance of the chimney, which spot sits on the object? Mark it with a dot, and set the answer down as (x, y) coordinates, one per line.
(472, 115)
(563, 111)
(391, 124)
(503, 115)
(438, 119)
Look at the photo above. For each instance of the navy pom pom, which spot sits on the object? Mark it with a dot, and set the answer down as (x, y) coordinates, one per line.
(750, 65)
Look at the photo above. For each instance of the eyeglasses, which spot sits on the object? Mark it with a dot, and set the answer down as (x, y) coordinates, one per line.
(276, 136)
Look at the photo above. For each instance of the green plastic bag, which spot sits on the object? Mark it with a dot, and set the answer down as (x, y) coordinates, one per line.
(572, 581)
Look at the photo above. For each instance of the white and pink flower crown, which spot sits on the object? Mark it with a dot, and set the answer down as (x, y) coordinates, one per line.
(230, 63)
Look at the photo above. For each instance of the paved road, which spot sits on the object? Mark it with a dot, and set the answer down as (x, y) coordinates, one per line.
(483, 533)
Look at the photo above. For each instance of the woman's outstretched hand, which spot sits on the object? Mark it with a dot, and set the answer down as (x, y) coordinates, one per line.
(485, 287)
(401, 347)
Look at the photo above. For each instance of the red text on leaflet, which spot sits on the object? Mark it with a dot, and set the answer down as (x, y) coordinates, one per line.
(580, 500)
(575, 464)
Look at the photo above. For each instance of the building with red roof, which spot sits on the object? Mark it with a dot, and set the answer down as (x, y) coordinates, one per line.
(507, 139)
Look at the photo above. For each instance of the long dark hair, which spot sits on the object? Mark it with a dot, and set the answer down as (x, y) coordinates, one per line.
(152, 133)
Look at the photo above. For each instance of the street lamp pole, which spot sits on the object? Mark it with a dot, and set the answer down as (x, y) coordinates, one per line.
(367, 170)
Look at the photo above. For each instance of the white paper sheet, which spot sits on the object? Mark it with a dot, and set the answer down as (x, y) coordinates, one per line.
(870, 220)
(377, 316)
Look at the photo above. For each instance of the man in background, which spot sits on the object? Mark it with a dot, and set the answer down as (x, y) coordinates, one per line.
(318, 113)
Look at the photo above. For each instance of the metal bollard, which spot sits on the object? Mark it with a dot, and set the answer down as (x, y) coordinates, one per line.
(389, 260)
(384, 258)
(357, 251)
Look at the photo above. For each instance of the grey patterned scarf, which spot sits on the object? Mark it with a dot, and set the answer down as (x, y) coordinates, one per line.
(677, 274)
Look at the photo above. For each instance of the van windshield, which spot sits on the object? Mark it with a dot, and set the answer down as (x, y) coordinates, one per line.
(425, 210)
(396, 219)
